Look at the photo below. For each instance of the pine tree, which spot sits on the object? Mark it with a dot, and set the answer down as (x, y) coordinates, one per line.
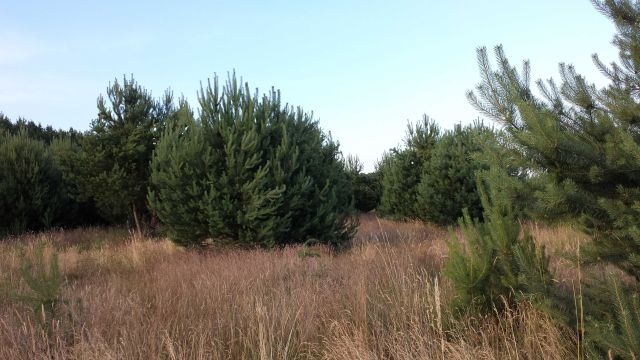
(252, 172)
(366, 186)
(117, 151)
(43, 279)
(448, 181)
(77, 209)
(584, 140)
(30, 185)
(401, 170)
(614, 323)
(179, 179)
(497, 263)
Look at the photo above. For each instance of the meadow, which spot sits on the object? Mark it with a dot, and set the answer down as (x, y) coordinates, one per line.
(385, 298)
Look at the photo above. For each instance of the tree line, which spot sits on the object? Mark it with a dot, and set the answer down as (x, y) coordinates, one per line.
(246, 170)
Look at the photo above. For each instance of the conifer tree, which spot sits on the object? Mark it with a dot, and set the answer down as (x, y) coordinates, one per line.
(78, 209)
(117, 151)
(62, 148)
(30, 185)
(366, 186)
(585, 140)
(448, 181)
(496, 263)
(401, 170)
(250, 171)
(179, 179)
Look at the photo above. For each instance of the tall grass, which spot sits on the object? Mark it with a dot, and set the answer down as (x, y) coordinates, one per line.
(383, 299)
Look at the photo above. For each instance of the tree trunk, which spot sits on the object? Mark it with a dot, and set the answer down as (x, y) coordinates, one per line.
(135, 218)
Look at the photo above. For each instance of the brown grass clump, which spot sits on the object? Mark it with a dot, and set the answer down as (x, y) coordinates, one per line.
(383, 299)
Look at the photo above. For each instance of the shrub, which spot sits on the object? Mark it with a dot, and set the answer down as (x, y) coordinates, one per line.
(117, 150)
(180, 180)
(366, 186)
(448, 181)
(78, 209)
(366, 192)
(250, 171)
(30, 185)
(401, 170)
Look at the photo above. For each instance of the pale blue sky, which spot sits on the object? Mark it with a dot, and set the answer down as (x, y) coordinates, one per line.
(363, 67)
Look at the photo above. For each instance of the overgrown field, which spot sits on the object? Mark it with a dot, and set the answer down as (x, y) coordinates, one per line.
(383, 299)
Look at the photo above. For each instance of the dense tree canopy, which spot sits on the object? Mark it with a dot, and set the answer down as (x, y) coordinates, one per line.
(30, 185)
(250, 171)
(448, 181)
(117, 150)
(401, 170)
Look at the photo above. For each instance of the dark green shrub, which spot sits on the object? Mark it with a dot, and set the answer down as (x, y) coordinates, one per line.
(180, 180)
(77, 208)
(117, 150)
(250, 171)
(366, 187)
(401, 170)
(30, 185)
(366, 192)
(448, 181)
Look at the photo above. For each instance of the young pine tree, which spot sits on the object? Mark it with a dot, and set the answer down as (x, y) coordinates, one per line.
(179, 179)
(250, 171)
(496, 263)
(366, 186)
(448, 181)
(401, 170)
(117, 151)
(585, 140)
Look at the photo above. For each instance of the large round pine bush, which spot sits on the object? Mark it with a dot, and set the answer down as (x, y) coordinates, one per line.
(249, 171)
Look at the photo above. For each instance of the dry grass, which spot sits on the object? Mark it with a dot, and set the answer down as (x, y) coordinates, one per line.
(384, 299)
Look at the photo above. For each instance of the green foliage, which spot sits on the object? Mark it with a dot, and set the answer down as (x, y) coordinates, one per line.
(35, 131)
(44, 282)
(433, 177)
(180, 179)
(250, 172)
(401, 170)
(584, 141)
(448, 181)
(512, 178)
(39, 190)
(77, 210)
(117, 151)
(618, 332)
(496, 263)
(30, 185)
(367, 191)
(366, 187)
